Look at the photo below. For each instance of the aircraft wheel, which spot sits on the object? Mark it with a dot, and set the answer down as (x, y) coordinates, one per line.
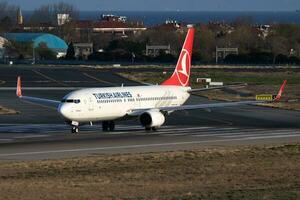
(111, 126)
(154, 129)
(148, 128)
(75, 129)
(105, 126)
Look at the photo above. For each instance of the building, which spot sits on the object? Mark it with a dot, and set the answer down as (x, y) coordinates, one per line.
(83, 50)
(20, 19)
(53, 42)
(41, 27)
(113, 18)
(169, 25)
(221, 53)
(63, 19)
(3, 41)
(110, 24)
(117, 27)
(155, 50)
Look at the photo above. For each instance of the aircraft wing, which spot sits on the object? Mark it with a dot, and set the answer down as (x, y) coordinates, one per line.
(212, 105)
(236, 86)
(40, 101)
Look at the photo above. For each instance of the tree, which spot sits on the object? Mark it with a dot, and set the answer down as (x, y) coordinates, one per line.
(204, 45)
(6, 24)
(22, 49)
(48, 13)
(163, 37)
(70, 52)
(7, 10)
(245, 39)
(278, 45)
(7, 16)
(44, 52)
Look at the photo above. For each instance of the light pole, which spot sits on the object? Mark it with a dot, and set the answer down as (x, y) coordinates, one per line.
(33, 55)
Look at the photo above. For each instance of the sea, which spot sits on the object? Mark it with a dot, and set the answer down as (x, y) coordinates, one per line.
(151, 18)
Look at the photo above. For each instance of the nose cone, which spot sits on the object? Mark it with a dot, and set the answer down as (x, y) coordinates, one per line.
(64, 111)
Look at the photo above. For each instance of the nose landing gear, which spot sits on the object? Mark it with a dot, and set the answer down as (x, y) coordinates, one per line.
(75, 129)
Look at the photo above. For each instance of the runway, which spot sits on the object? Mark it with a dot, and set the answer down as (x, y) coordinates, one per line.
(34, 142)
(39, 133)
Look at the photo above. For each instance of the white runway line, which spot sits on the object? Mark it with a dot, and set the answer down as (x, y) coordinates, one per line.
(31, 136)
(6, 140)
(263, 133)
(275, 136)
(198, 130)
(209, 132)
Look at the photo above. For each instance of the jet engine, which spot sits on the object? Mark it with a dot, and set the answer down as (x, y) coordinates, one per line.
(152, 118)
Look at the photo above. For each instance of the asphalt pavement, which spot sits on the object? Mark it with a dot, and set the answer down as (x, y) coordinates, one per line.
(38, 132)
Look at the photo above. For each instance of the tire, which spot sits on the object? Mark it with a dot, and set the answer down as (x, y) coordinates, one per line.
(105, 126)
(154, 129)
(75, 129)
(111, 126)
(148, 128)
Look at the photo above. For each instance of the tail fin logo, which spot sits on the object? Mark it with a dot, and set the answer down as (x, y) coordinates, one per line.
(181, 74)
(183, 69)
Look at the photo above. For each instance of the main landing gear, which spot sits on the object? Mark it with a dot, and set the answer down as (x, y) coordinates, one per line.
(151, 129)
(108, 125)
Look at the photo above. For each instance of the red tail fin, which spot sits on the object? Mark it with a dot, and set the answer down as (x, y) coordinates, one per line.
(181, 74)
(278, 97)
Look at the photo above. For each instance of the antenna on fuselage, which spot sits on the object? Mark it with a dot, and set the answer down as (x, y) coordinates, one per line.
(122, 85)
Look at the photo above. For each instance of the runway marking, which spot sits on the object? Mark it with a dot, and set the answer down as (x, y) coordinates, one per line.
(138, 146)
(262, 133)
(213, 131)
(49, 78)
(275, 136)
(243, 133)
(31, 136)
(6, 140)
(99, 80)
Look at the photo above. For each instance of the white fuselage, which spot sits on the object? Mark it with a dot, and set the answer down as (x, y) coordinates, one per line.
(101, 104)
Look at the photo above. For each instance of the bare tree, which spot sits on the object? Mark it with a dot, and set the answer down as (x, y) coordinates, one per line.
(163, 37)
(245, 38)
(8, 10)
(8, 16)
(205, 44)
(48, 13)
(277, 45)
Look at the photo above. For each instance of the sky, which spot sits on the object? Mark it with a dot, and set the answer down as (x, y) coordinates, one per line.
(169, 5)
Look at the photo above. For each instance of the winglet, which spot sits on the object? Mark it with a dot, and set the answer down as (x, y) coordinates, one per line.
(278, 97)
(19, 89)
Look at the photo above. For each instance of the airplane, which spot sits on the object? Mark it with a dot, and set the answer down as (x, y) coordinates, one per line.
(150, 104)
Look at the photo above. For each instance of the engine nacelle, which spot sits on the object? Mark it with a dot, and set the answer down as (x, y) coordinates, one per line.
(152, 118)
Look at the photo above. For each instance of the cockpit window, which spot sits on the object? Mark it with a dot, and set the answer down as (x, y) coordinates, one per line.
(71, 101)
(76, 101)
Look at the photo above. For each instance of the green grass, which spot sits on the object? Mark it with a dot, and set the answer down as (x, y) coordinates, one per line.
(258, 78)
(228, 77)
